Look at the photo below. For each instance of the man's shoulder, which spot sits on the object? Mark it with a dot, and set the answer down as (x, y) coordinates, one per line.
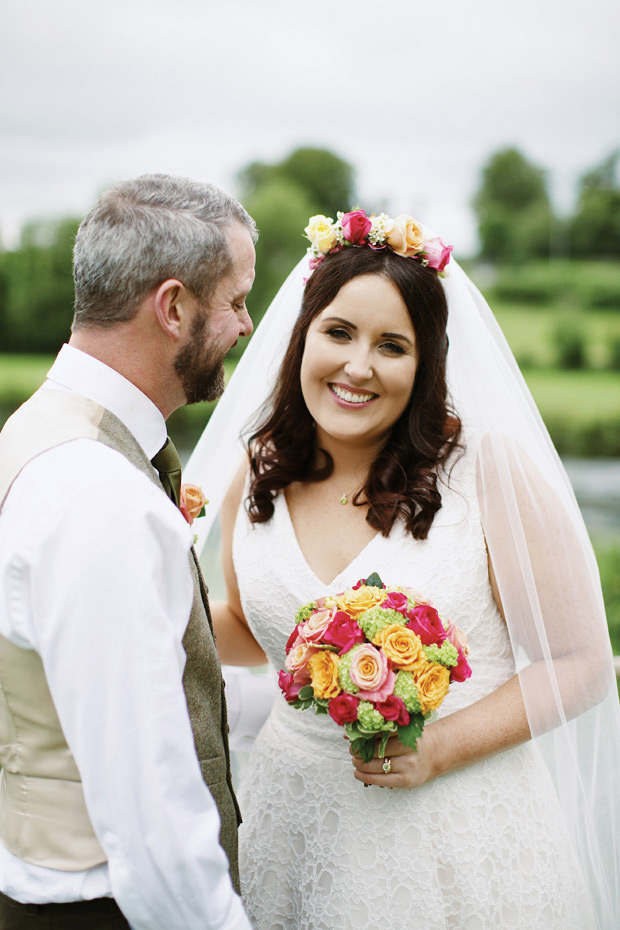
(81, 473)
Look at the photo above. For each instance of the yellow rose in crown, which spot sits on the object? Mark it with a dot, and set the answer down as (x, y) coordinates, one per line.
(193, 502)
(406, 236)
(321, 233)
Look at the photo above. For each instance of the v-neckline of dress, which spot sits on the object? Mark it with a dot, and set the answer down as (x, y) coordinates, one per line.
(287, 516)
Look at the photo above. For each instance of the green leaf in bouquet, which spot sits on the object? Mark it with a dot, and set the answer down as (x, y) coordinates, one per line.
(306, 693)
(383, 743)
(352, 730)
(364, 746)
(324, 702)
(319, 708)
(411, 733)
(374, 580)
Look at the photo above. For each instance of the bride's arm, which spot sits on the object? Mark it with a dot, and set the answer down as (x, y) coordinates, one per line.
(235, 643)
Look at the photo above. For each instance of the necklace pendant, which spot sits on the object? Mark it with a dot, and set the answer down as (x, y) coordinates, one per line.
(343, 499)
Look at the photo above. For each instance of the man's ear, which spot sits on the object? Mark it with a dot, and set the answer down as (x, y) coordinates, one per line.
(172, 303)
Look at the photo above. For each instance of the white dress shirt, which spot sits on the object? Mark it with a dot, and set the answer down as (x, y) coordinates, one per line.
(94, 575)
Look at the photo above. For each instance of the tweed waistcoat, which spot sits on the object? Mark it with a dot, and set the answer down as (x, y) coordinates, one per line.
(43, 816)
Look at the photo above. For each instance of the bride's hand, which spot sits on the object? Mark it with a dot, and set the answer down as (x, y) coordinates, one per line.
(408, 768)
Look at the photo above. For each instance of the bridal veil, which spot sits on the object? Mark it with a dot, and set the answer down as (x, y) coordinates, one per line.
(539, 549)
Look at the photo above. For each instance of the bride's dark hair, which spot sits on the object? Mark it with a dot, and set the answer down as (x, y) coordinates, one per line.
(402, 481)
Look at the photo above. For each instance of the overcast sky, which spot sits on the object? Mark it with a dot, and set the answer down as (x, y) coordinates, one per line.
(415, 94)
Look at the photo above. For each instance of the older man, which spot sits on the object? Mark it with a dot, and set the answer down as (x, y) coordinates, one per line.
(116, 803)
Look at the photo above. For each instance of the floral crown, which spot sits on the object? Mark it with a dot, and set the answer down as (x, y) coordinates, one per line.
(403, 235)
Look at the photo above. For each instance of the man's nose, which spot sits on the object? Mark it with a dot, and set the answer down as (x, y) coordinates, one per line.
(246, 326)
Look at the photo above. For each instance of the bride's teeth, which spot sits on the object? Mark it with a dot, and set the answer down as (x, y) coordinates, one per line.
(349, 397)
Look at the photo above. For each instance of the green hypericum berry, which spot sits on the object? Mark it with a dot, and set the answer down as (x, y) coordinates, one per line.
(370, 720)
(405, 688)
(304, 612)
(344, 669)
(446, 654)
(377, 618)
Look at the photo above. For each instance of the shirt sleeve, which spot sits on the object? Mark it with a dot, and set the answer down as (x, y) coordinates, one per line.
(110, 594)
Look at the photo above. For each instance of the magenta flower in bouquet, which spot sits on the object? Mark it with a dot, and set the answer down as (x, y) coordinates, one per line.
(378, 660)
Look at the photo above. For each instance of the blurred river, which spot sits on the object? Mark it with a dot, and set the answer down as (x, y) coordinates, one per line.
(597, 487)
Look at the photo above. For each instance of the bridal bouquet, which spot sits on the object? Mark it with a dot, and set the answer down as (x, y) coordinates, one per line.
(378, 660)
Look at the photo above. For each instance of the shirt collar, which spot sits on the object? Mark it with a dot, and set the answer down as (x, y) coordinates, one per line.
(77, 371)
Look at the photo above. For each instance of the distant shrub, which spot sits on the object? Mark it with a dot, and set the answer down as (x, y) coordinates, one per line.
(569, 343)
(613, 356)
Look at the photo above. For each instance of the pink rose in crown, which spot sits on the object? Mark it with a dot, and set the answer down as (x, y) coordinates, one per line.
(297, 661)
(312, 630)
(437, 254)
(393, 708)
(343, 632)
(290, 688)
(461, 671)
(355, 226)
(371, 673)
(426, 623)
(396, 601)
(343, 709)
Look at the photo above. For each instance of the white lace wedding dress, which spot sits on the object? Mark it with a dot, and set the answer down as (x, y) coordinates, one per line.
(478, 849)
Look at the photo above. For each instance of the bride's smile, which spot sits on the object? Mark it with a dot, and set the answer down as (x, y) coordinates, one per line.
(359, 361)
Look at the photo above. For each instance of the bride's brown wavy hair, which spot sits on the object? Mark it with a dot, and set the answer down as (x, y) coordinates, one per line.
(402, 481)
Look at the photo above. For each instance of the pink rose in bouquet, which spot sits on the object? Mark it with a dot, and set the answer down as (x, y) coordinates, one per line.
(294, 639)
(290, 688)
(297, 661)
(426, 623)
(343, 632)
(396, 601)
(313, 629)
(355, 226)
(371, 673)
(343, 709)
(461, 671)
(393, 708)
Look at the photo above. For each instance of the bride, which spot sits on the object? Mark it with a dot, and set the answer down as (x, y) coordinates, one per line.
(400, 438)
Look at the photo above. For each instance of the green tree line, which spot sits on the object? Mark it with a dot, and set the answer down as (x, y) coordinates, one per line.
(516, 223)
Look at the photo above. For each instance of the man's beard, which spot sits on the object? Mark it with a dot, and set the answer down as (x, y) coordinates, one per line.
(200, 370)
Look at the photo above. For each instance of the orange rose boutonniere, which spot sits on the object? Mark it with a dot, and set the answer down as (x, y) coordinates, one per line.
(193, 502)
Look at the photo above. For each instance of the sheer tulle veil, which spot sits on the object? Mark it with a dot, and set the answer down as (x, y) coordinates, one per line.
(539, 550)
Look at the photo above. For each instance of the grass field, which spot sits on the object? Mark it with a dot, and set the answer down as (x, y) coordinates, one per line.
(531, 332)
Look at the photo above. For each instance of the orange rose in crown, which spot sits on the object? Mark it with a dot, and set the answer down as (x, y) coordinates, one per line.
(193, 502)
(379, 661)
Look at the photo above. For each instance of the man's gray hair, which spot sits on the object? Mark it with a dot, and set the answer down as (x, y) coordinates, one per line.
(144, 231)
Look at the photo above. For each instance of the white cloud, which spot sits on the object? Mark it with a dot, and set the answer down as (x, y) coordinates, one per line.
(416, 98)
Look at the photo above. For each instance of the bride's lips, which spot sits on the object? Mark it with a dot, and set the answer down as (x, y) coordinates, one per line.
(353, 392)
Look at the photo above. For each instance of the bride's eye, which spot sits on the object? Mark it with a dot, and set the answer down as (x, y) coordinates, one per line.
(393, 348)
(337, 333)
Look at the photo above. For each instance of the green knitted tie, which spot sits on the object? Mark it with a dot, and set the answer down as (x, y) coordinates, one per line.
(168, 464)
